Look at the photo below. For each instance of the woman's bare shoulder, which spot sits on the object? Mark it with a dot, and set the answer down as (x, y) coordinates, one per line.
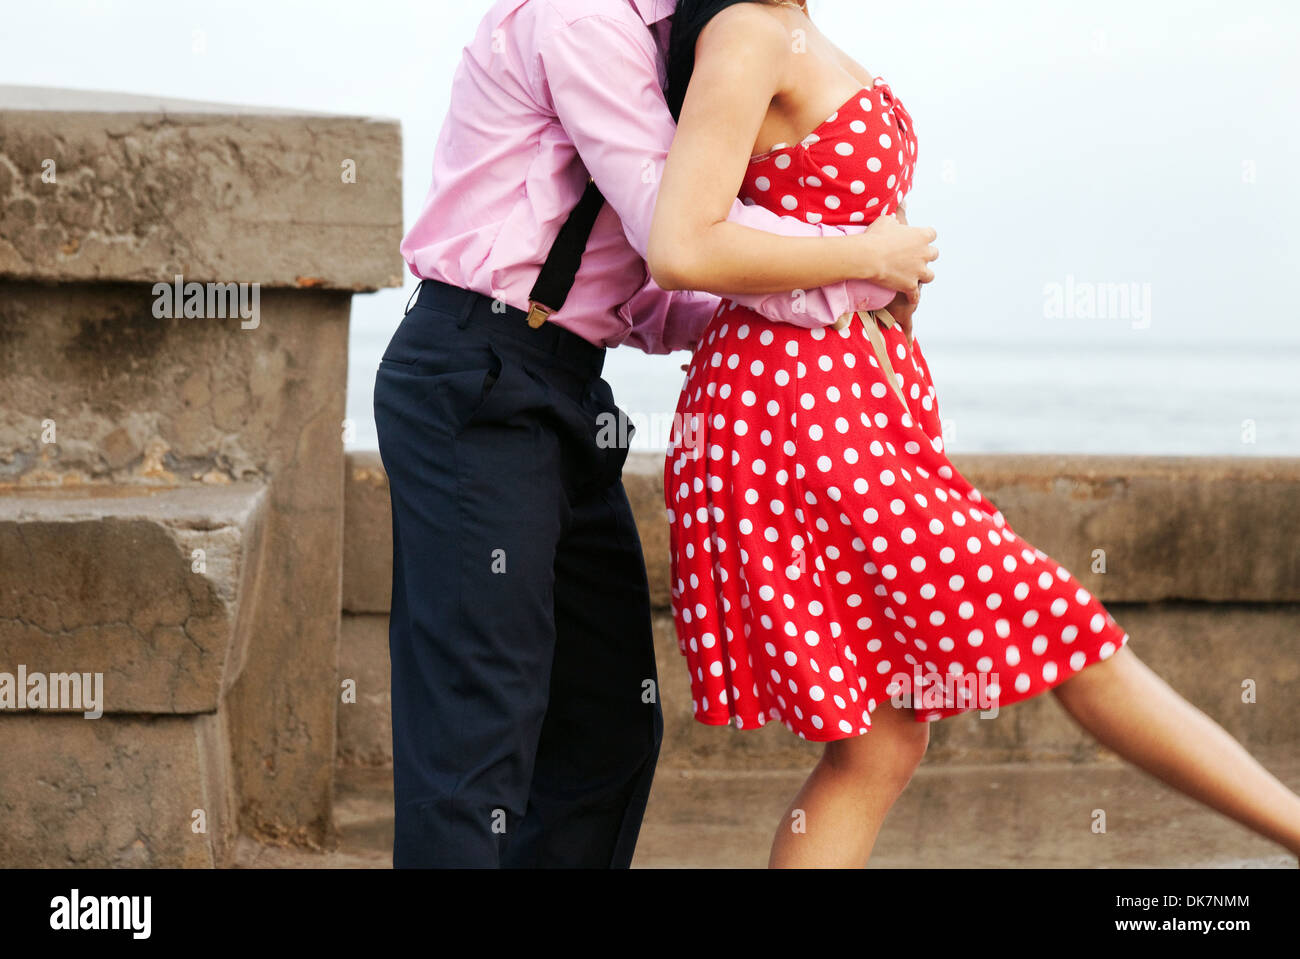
(749, 29)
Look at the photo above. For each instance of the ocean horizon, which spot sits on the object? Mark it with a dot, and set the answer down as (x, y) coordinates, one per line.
(1233, 397)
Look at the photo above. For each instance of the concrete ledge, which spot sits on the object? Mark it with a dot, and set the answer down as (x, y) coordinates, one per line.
(1208, 529)
(112, 581)
(1201, 564)
(144, 189)
(1213, 529)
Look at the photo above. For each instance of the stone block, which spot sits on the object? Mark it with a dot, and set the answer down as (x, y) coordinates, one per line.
(365, 726)
(142, 586)
(115, 792)
(368, 536)
(145, 188)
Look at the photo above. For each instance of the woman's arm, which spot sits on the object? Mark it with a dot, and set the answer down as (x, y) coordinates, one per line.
(741, 60)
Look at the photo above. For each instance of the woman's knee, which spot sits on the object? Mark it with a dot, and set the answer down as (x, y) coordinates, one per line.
(916, 740)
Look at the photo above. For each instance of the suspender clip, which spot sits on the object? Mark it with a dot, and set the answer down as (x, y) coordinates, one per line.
(538, 314)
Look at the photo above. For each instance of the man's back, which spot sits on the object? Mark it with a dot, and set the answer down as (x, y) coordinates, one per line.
(507, 170)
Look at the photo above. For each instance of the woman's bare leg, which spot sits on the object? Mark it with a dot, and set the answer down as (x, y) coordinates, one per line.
(1131, 710)
(834, 819)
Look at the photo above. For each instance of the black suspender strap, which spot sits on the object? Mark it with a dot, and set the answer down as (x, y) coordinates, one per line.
(561, 266)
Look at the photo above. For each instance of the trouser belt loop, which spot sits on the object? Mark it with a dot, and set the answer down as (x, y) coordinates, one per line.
(466, 309)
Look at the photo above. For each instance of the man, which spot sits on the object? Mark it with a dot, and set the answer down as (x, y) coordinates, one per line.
(526, 721)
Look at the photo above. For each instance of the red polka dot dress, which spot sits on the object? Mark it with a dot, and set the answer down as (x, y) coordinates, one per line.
(826, 555)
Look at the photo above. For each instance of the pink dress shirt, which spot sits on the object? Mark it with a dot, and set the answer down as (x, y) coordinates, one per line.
(549, 92)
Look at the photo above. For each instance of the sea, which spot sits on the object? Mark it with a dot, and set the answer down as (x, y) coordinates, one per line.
(1217, 397)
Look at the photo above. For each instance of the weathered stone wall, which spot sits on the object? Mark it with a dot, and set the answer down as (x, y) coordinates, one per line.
(1202, 568)
(171, 489)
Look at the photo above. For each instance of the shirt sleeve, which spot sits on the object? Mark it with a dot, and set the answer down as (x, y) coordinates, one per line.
(602, 78)
(661, 322)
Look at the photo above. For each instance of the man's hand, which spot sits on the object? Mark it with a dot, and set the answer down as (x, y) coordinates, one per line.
(903, 306)
(900, 255)
(901, 309)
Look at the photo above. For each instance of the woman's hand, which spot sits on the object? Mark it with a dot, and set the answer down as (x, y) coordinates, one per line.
(899, 256)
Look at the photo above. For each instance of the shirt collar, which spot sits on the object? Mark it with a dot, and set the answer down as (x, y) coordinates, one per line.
(652, 11)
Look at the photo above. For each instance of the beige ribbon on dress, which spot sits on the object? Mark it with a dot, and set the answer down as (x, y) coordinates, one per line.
(869, 318)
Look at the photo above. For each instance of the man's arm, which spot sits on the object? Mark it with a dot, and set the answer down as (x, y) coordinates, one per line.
(602, 77)
(661, 322)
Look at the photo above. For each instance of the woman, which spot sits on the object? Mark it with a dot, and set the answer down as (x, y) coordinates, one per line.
(832, 571)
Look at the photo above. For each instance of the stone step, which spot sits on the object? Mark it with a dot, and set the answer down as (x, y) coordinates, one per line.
(957, 816)
(146, 593)
(992, 815)
(143, 585)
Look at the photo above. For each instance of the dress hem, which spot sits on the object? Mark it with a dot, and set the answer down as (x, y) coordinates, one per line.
(926, 716)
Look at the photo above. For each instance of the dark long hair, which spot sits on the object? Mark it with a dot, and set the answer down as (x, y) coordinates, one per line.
(689, 21)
